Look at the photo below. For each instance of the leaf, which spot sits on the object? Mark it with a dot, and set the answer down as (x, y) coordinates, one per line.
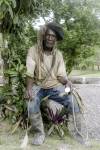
(1, 15)
(10, 11)
(51, 129)
(16, 125)
(11, 72)
(14, 3)
(1, 1)
(6, 2)
(15, 20)
(9, 108)
(21, 67)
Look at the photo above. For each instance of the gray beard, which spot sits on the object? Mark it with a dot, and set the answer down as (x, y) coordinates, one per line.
(45, 48)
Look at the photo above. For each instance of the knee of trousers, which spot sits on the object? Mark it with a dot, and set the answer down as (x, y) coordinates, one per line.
(33, 107)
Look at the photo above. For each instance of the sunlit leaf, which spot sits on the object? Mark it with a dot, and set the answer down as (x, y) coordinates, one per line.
(10, 11)
(14, 3)
(15, 19)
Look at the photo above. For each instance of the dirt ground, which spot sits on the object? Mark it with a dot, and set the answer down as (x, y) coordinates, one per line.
(12, 142)
(90, 94)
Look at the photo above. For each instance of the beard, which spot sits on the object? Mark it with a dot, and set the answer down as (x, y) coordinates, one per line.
(47, 46)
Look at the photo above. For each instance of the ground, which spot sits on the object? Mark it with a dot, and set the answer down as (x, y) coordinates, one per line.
(12, 142)
(86, 73)
(90, 94)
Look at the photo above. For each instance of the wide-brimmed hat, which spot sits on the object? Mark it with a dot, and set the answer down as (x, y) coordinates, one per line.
(57, 29)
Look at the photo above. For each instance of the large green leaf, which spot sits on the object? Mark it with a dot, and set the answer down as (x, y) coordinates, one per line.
(10, 11)
(14, 3)
(15, 19)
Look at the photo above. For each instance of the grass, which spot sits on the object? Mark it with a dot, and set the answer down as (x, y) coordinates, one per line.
(12, 142)
(86, 73)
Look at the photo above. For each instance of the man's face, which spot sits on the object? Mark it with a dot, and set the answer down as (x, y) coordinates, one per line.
(50, 39)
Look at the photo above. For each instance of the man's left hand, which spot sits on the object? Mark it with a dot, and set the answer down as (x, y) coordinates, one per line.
(69, 84)
(65, 82)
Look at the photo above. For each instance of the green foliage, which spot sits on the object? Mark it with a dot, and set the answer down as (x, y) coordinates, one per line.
(13, 92)
(81, 32)
(15, 14)
(15, 71)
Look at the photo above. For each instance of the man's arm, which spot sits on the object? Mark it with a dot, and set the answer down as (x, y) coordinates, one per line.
(29, 84)
(30, 65)
(65, 81)
(61, 74)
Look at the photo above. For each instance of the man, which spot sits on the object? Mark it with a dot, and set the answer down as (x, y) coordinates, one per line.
(46, 76)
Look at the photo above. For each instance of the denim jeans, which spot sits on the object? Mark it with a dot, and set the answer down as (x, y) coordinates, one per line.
(56, 94)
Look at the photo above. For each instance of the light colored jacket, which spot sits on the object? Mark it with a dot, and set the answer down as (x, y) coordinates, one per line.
(45, 67)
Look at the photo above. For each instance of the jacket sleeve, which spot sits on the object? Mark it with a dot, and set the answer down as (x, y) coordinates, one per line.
(30, 63)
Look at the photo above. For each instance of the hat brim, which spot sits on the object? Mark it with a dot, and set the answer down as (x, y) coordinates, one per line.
(57, 29)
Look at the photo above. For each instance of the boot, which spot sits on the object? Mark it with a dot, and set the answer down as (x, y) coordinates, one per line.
(37, 125)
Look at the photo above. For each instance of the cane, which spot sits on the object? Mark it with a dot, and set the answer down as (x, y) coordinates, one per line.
(25, 140)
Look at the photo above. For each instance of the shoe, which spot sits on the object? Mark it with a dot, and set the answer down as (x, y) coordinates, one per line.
(37, 126)
(38, 139)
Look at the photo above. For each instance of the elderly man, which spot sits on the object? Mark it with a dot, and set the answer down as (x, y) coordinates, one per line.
(46, 76)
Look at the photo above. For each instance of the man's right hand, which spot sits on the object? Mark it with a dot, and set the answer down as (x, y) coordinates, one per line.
(28, 94)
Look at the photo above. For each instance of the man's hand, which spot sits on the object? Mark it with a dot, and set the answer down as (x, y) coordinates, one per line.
(69, 84)
(65, 82)
(28, 94)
